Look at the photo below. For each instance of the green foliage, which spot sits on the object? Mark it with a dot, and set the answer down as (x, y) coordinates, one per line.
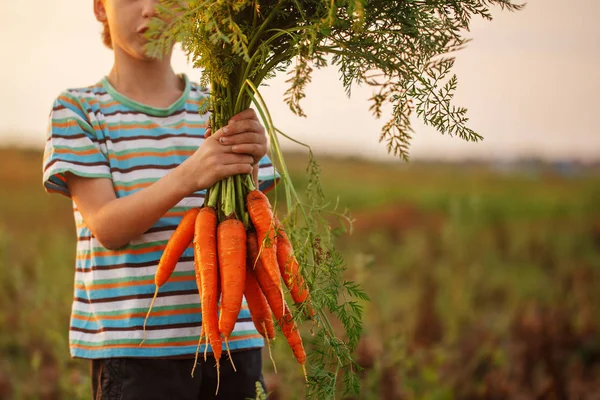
(398, 47)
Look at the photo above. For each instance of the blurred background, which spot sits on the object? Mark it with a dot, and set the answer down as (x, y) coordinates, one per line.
(482, 260)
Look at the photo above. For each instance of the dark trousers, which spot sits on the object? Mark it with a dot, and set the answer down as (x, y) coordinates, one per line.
(158, 379)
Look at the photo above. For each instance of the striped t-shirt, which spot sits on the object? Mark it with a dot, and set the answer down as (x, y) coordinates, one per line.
(97, 132)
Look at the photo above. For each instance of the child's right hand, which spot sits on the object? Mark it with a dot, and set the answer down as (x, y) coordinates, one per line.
(213, 162)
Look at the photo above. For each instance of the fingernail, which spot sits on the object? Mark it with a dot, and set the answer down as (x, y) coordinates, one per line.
(222, 140)
(225, 129)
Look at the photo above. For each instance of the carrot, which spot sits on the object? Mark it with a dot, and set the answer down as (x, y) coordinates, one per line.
(289, 268)
(199, 285)
(259, 309)
(292, 334)
(262, 219)
(258, 306)
(205, 230)
(231, 250)
(177, 244)
(270, 283)
(268, 278)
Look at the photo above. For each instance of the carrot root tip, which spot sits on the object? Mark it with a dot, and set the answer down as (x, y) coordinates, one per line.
(229, 354)
(148, 315)
(197, 351)
(269, 347)
(206, 348)
(218, 377)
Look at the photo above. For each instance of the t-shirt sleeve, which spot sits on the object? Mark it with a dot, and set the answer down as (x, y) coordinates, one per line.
(267, 174)
(72, 145)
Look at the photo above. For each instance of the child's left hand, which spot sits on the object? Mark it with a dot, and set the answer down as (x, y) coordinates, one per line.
(244, 135)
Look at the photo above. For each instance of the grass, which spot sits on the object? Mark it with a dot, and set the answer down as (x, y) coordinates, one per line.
(483, 284)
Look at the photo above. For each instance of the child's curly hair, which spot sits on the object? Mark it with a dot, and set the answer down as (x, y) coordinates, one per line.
(106, 39)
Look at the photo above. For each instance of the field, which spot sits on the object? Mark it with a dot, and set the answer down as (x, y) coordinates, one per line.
(483, 281)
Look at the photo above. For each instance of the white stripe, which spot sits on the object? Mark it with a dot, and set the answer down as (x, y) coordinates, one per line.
(67, 113)
(188, 299)
(166, 143)
(266, 173)
(90, 276)
(62, 165)
(73, 143)
(138, 117)
(138, 334)
(150, 334)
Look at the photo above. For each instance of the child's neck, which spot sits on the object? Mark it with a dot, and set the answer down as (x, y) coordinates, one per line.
(153, 83)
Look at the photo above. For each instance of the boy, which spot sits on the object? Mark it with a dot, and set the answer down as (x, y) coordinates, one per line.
(130, 152)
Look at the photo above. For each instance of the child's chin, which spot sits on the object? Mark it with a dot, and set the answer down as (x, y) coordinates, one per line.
(141, 55)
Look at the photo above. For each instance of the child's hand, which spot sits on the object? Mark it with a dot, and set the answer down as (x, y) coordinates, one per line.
(211, 163)
(232, 150)
(244, 135)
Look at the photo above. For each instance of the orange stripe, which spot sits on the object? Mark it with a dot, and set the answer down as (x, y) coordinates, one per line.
(66, 124)
(140, 315)
(78, 152)
(185, 153)
(133, 187)
(143, 314)
(108, 253)
(181, 124)
(109, 104)
(68, 100)
(129, 284)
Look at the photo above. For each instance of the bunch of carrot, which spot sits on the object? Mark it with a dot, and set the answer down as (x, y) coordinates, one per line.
(239, 250)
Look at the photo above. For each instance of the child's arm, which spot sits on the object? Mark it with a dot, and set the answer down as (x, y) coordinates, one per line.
(116, 221)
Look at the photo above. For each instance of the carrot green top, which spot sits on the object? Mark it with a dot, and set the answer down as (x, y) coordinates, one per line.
(97, 132)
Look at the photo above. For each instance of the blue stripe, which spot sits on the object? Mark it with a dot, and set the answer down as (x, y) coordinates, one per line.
(167, 351)
(97, 157)
(153, 256)
(134, 290)
(152, 321)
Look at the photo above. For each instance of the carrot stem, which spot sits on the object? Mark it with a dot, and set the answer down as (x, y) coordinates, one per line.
(240, 201)
(249, 182)
(230, 205)
(213, 197)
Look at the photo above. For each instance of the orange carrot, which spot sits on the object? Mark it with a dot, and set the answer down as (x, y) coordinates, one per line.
(258, 306)
(288, 266)
(259, 309)
(177, 244)
(206, 254)
(199, 285)
(231, 250)
(291, 333)
(262, 219)
(268, 278)
(270, 283)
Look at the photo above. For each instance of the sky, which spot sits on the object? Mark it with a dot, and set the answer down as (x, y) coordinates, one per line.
(529, 79)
